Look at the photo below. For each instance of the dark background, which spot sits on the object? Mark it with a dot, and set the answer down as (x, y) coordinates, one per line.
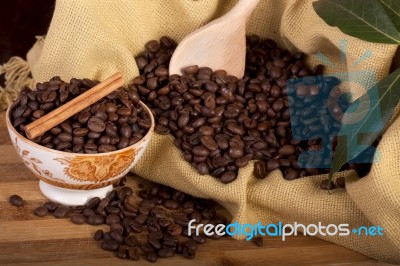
(20, 22)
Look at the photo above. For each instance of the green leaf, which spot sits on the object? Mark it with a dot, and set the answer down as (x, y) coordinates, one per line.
(363, 19)
(392, 8)
(365, 120)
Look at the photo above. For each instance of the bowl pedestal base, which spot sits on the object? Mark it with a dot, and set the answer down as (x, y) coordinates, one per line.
(72, 197)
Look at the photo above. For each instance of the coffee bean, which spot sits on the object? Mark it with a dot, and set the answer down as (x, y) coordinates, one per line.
(133, 254)
(287, 150)
(208, 213)
(131, 241)
(228, 177)
(96, 124)
(340, 182)
(41, 211)
(92, 203)
(110, 245)
(16, 200)
(259, 241)
(95, 219)
(158, 212)
(171, 204)
(174, 229)
(112, 218)
(190, 70)
(155, 243)
(326, 184)
(117, 236)
(272, 165)
(165, 253)
(291, 174)
(260, 170)
(78, 218)
(236, 152)
(98, 235)
(61, 212)
(122, 253)
(51, 206)
(151, 256)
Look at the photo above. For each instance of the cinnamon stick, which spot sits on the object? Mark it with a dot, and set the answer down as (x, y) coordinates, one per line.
(65, 111)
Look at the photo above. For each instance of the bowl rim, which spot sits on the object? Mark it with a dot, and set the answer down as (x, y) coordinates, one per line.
(135, 145)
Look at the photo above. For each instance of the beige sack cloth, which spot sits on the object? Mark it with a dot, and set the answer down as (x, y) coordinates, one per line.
(94, 39)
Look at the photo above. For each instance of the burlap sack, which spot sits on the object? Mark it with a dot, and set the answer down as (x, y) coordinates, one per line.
(94, 39)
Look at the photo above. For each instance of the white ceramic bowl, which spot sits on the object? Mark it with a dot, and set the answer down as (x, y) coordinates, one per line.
(72, 178)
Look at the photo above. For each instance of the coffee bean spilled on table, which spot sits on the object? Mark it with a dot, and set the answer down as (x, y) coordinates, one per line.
(154, 227)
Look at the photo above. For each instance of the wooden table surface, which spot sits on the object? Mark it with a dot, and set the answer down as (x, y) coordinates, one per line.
(29, 240)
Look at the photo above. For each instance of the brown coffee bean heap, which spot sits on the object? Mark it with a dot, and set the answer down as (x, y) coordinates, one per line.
(221, 123)
(115, 122)
(154, 227)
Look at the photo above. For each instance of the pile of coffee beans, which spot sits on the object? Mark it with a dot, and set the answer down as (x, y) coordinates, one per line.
(115, 122)
(153, 225)
(221, 122)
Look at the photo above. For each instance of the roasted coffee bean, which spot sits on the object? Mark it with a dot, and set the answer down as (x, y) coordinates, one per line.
(77, 218)
(133, 254)
(117, 236)
(189, 249)
(92, 203)
(272, 165)
(120, 228)
(158, 213)
(190, 70)
(260, 170)
(327, 184)
(259, 241)
(165, 253)
(171, 204)
(136, 226)
(95, 219)
(287, 150)
(41, 211)
(228, 177)
(208, 213)
(122, 253)
(155, 243)
(151, 256)
(51, 206)
(110, 245)
(131, 241)
(174, 229)
(199, 239)
(112, 218)
(196, 216)
(98, 235)
(96, 124)
(148, 204)
(16, 200)
(61, 212)
(291, 174)
(340, 182)
(141, 218)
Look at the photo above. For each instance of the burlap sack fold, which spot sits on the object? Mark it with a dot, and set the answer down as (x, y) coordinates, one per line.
(93, 39)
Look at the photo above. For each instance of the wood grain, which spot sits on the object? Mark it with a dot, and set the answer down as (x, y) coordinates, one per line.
(29, 240)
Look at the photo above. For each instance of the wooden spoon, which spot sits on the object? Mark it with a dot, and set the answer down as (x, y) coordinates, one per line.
(221, 44)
